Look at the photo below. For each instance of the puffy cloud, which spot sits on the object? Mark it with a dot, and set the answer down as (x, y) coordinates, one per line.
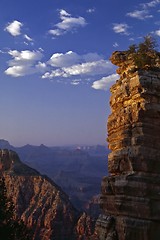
(89, 68)
(120, 28)
(139, 14)
(64, 60)
(67, 23)
(55, 74)
(71, 58)
(105, 82)
(25, 63)
(70, 65)
(83, 69)
(70, 23)
(41, 67)
(18, 71)
(62, 67)
(14, 28)
(24, 56)
(63, 14)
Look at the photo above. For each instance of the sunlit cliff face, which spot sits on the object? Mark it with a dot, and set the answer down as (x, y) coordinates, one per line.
(130, 195)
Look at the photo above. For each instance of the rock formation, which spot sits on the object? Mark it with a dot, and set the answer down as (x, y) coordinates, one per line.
(130, 196)
(85, 228)
(42, 205)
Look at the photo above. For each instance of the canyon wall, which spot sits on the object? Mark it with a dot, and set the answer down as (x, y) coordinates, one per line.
(42, 205)
(130, 195)
(38, 201)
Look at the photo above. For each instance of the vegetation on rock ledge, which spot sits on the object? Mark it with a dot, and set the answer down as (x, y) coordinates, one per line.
(144, 54)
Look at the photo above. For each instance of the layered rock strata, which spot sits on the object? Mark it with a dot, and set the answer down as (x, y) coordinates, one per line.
(42, 205)
(130, 196)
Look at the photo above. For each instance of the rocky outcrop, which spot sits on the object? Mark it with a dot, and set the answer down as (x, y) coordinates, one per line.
(85, 228)
(42, 205)
(130, 196)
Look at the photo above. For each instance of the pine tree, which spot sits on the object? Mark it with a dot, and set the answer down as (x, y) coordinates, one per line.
(144, 54)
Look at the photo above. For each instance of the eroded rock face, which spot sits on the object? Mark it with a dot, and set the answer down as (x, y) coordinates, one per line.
(38, 201)
(131, 193)
(41, 204)
(85, 228)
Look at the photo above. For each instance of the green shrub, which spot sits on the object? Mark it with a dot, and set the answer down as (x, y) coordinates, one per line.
(144, 54)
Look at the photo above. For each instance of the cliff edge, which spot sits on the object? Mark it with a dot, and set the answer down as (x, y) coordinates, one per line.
(42, 205)
(130, 195)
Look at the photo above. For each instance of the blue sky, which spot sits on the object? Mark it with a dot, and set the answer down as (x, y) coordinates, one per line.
(55, 72)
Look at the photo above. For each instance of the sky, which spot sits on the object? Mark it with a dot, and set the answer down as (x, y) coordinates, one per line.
(55, 72)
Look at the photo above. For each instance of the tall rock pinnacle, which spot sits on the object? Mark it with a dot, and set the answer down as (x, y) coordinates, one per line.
(130, 196)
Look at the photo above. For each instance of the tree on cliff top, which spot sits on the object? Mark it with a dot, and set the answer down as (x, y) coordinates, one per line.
(144, 54)
(10, 228)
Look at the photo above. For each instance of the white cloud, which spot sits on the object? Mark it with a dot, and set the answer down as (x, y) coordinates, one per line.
(64, 60)
(153, 3)
(91, 10)
(83, 69)
(63, 67)
(25, 63)
(120, 28)
(67, 23)
(18, 71)
(28, 38)
(105, 82)
(75, 82)
(41, 67)
(71, 58)
(55, 74)
(56, 32)
(144, 11)
(139, 14)
(89, 68)
(115, 45)
(70, 66)
(63, 13)
(14, 28)
(157, 33)
(25, 56)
